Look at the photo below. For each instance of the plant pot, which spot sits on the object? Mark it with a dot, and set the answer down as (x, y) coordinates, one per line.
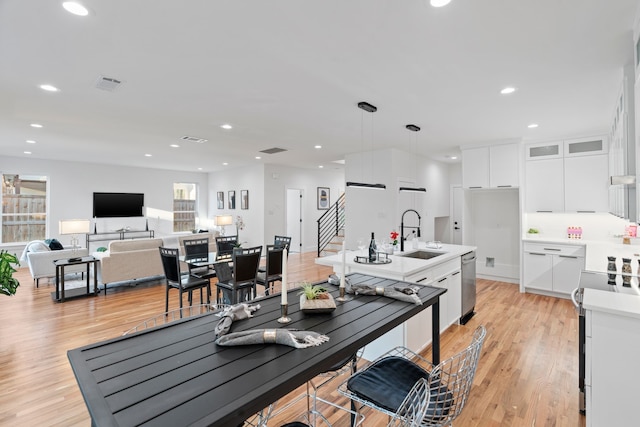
(317, 305)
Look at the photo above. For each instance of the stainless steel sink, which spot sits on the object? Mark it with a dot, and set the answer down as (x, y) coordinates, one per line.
(420, 254)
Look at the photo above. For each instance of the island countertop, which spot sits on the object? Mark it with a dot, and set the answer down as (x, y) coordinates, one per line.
(400, 266)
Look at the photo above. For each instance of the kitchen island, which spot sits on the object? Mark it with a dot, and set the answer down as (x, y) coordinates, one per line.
(441, 270)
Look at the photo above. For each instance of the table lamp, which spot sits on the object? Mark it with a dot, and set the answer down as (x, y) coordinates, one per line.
(74, 227)
(222, 221)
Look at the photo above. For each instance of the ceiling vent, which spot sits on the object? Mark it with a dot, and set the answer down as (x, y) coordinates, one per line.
(193, 139)
(273, 150)
(107, 83)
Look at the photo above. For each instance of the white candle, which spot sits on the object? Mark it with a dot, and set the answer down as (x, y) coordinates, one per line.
(344, 260)
(284, 277)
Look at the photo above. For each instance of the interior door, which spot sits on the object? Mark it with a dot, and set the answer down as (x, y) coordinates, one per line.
(456, 215)
(294, 218)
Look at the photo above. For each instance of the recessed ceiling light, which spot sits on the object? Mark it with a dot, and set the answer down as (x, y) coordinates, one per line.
(49, 88)
(533, 126)
(148, 155)
(30, 141)
(174, 146)
(226, 126)
(75, 8)
(508, 90)
(320, 166)
(199, 169)
(258, 157)
(36, 125)
(318, 147)
(439, 3)
(225, 164)
(27, 152)
(453, 157)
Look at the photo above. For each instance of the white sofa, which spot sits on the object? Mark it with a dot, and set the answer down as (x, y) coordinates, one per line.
(40, 260)
(127, 260)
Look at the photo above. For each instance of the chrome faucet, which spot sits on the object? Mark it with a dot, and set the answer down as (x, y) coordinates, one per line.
(402, 238)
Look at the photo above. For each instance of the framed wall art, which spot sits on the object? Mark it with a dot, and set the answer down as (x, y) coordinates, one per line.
(323, 198)
(232, 199)
(220, 199)
(244, 199)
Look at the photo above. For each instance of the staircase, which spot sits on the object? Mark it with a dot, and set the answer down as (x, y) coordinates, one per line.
(331, 229)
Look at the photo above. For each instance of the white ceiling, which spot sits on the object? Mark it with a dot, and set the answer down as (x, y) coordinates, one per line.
(289, 74)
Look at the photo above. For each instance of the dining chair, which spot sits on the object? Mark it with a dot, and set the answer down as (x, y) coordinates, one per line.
(175, 279)
(239, 284)
(225, 245)
(411, 390)
(177, 314)
(283, 241)
(273, 268)
(199, 248)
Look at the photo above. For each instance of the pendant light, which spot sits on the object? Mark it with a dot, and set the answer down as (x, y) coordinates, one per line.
(365, 106)
(414, 128)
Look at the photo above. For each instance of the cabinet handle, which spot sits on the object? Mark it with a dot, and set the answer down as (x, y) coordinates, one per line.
(552, 249)
(504, 186)
(422, 280)
(536, 253)
(544, 211)
(442, 280)
(457, 272)
(568, 256)
(586, 211)
(476, 187)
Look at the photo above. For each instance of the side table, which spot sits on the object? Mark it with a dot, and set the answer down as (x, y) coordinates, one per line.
(71, 293)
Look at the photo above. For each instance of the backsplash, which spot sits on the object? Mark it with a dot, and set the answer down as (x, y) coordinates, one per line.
(594, 226)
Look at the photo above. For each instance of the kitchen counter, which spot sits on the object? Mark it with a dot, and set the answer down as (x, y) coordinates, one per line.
(621, 304)
(400, 267)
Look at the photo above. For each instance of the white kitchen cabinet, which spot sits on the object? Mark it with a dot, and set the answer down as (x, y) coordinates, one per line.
(475, 167)
(544, 150)
(544, 185)
(586, 183)
(552, 267)
(494, 166)
(503, 165)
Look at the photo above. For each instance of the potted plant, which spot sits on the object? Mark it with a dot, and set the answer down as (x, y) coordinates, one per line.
(8, 283)
(315, 299)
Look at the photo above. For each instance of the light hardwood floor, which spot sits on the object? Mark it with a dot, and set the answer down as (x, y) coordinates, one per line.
(527, 374)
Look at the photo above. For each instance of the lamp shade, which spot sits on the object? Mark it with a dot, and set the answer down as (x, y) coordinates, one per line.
(74, 226)
(223, 220)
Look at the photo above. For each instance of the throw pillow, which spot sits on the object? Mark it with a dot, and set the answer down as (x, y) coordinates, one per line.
(54, 244)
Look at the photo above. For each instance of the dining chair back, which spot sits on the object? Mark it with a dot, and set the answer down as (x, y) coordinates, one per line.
(198, 248)
(239, 284)
(273, 268)
(176, 280)
(283, 241)
(225, 245)
(173, 315)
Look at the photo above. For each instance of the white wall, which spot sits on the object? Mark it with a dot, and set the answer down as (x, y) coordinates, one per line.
(71, 187)
(277, 179)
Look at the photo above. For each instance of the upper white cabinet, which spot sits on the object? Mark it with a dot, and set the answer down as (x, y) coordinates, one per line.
(494, 166)
(567, 176)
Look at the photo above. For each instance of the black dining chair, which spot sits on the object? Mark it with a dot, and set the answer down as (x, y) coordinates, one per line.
(175, 279)
(273, 268)
(239, 284)
(225, 245)
(283, 241)
(199, 249)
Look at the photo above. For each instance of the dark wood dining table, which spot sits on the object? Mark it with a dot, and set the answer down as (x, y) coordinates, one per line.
(176, 375)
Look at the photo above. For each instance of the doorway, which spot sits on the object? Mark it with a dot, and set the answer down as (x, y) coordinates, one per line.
(456, 214)
(294, 218)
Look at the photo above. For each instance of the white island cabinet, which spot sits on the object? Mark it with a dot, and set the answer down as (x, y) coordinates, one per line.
(612, 348)
(442, 271)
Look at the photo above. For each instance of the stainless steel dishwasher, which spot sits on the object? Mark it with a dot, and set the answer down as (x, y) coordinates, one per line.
(468, 286)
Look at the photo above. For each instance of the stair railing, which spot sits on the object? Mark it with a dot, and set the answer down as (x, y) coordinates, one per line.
(330, 223)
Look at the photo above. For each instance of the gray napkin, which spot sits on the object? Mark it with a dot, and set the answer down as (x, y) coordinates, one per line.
(233, 313)
(401, 293)
(290, 337)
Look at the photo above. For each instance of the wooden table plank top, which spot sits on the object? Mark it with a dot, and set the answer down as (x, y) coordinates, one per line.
(176, 375)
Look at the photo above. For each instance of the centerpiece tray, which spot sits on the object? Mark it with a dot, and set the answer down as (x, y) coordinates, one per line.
(382, 258)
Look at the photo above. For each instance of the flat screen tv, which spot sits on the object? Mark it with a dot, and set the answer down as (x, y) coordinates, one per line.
(111, 205)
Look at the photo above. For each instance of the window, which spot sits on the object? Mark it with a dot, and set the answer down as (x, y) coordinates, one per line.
(24, 208)
(185, 206)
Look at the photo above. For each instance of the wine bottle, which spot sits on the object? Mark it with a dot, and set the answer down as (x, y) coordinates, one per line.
(372, 249)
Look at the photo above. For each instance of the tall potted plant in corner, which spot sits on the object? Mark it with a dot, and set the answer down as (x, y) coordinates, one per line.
(8, 283)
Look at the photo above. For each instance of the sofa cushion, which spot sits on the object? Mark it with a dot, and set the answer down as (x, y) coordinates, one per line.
(54, 244)
(117, 246)
(34, 246)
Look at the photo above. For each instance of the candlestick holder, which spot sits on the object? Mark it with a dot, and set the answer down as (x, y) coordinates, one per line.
(343, 296)
(283, 311)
